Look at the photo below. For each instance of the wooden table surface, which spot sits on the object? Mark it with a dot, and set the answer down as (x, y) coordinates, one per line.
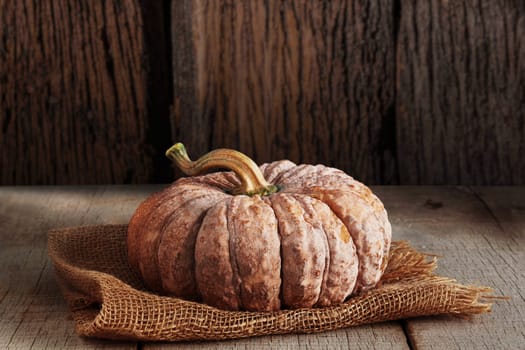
(479, 231)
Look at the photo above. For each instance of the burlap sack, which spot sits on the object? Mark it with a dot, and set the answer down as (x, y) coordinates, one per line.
(109, 301)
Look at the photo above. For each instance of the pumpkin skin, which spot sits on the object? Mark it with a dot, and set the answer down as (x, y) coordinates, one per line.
(321, 238)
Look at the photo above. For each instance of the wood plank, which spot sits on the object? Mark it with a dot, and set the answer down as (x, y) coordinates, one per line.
(507, 206)
(454, 223)
(385, 337)
(460, 109)
(308, 81)
(33, 313)
(73, 93)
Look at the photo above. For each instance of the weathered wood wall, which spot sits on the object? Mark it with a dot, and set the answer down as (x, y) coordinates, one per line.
(394, 92)
(74, 92)
(460, 107)
(311, 81)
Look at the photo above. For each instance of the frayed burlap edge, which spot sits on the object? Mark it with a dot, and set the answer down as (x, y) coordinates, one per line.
(109, 301)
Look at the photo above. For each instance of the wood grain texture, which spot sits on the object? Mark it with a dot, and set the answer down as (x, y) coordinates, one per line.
(311, 81)
(507, 205)
(460, 105)
(72, 93)
(476, 249)
(387, 336)
(33, 313)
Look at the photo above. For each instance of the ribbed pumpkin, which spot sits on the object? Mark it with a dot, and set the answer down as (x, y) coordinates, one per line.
(259, 238)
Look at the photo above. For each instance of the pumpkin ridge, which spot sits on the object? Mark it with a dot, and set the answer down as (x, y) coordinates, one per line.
(135, 227)
(152, 277)
(211, 248)
(223, 182)
(169, 272)
(167, 219)
(271, 170)
(358, 229)
(268, 201)
(300, 284)
(150, 272)
(363, 247)
(343, 266)
(314, 222)
(256, 253)
(359, 191)
(321, 173)
(307, 220)
(291, 172)
(381, 216)
(236, 279)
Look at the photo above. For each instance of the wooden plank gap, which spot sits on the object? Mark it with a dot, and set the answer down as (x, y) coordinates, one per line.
(408, 334)
(487, 207)
(156, 18)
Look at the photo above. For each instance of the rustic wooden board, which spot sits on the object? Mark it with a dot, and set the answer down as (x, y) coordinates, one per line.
(460, 106)
(507, 206)
(387, 336)
(33, 313)
(475, 249)
(311, 81)
(73, 93)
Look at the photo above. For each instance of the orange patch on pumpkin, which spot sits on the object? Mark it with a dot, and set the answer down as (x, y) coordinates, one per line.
(344, 234)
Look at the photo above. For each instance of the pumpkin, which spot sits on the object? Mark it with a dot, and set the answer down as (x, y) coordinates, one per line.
(259, 238)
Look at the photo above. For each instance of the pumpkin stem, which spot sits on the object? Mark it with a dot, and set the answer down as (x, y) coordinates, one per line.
(252, 180)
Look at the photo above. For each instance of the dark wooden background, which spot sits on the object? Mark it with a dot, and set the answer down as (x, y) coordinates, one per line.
(391, 91)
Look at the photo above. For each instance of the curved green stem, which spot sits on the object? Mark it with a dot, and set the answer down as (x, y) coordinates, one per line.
(252, 180)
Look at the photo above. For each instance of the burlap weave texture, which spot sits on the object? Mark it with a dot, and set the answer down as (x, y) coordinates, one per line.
(108, 300)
